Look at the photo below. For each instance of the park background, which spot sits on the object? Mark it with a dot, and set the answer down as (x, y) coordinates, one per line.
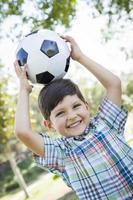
(104, 30)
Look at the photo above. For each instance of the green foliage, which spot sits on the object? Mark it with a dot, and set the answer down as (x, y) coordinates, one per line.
(55, 177)
(44, 14)
(128, 93)
(29, 170)
(110, 8)
(51, 13)
(117, 13)
(129, 88)
(55, 13)
(10, 7)
(93, 94)
(69, 196)
(36, 116)
(33, 15)
(6, 113)
(11, 186)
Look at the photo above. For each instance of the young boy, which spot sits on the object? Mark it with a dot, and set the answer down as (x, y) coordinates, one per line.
(91, 156)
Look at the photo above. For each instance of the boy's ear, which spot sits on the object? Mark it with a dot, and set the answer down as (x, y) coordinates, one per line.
(87, 105)
(48, 124)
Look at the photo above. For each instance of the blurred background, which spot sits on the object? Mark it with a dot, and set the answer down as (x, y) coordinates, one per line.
(104, 31)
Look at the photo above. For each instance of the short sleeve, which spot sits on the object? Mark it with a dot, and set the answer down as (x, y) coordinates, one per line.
(53, 158)
(113, 115)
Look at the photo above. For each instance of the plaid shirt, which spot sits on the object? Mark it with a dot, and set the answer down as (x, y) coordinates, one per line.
(97, 165)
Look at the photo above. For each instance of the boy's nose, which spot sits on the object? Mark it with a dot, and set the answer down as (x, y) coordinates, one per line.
(71, 115)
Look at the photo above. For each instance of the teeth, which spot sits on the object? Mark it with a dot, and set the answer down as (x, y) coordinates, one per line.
(74, 124)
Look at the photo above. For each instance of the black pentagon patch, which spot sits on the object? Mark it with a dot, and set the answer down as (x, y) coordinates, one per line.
(22, 56)
(44, 77)
(67, 64)
(49, 48)
(31, 33)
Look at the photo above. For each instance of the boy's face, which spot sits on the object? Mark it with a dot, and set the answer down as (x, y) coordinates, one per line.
(70, 117)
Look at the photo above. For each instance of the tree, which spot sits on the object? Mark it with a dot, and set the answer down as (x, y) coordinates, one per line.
(7, 112)
(43, 14)
(48, 10)
(128, 92)
(92, 92)
(113, 9)
(52, 13)
(46, 13)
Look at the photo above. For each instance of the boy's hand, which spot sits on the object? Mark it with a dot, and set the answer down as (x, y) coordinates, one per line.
(22, 75)
(76, 52)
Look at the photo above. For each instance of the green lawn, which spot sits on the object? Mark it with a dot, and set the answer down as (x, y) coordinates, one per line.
(41, 190)
(37, 192)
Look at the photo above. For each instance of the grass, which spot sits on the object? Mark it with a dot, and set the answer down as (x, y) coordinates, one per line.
(37, 192)
(41, 190)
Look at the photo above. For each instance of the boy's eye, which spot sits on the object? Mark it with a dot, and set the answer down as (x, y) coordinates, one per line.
(76, 105)
(59, 113)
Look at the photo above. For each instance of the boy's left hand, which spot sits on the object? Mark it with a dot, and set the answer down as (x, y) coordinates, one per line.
(76, 52)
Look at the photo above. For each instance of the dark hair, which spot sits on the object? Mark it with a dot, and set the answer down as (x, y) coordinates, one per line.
(53, 93)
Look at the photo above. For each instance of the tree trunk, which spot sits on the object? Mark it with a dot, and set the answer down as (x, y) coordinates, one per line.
(17, 173)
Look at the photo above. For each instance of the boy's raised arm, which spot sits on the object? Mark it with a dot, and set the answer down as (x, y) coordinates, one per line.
(110, 81)
(23, 128)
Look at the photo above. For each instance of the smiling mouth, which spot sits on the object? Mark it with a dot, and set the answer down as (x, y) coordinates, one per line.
(73, 125)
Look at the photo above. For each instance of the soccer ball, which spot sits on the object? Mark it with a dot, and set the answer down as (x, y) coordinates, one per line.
(46, 54)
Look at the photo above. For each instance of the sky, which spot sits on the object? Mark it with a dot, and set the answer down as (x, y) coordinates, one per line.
(87, 31)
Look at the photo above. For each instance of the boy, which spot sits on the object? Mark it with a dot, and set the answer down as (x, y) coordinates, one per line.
(91, 156)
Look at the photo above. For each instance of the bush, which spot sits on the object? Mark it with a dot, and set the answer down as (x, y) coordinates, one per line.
(28, 169)
(11, 186)
(69, 196)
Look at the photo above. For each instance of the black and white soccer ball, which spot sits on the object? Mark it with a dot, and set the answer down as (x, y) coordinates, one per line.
(46, 54)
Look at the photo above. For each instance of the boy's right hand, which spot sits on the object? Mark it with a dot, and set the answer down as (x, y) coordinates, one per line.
(22, 75)
(76, 52)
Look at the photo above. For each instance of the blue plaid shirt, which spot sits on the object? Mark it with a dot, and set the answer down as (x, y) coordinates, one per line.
(97, 165)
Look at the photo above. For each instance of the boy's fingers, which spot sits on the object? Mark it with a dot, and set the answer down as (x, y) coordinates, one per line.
(27, 71)
(26, 67)
(62, 36)
(15, 65)
(15, 62)
(66, 38)
(17, 68)
(20, 70)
